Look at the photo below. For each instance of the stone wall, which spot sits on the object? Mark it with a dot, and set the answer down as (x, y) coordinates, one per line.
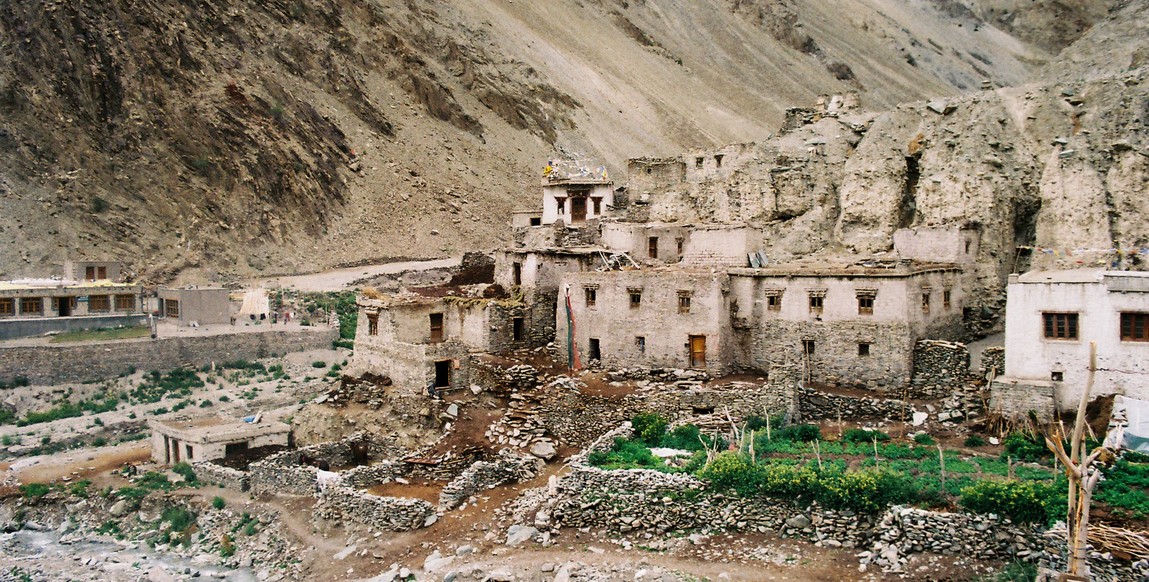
(225, 477)
(494, 376)
(487, 474)
(374, 474)
(1017, 399)
(1102, 565)
(54, 364)
(381, 513)
(819, 405)
(993, 358)
(940, 368)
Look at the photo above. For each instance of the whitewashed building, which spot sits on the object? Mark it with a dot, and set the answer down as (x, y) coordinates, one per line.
(1051, 319)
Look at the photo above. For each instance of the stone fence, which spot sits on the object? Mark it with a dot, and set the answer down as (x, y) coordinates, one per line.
(488, 474)
(92, 361)
(499, 379)
(225, 477)
(341, 503)
(819, 405)
(993, 358)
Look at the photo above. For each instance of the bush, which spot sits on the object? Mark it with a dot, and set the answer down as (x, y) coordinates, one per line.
(860, 435)
(218, 502)
(35, 490)
(1023, 447)
(181, 518)
(649, 428)
(924, 439)
(865, 491)
(226, 547)
(730, 470)
(185, 470)
(1020, 501)
(799, 433)
(318, 364)
(626, 454)
(974, 440)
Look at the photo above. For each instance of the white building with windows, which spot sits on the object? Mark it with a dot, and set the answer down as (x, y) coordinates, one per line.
(1051, 319)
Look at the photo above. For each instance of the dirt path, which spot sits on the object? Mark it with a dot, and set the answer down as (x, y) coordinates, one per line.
(81, 464)
(339, 279)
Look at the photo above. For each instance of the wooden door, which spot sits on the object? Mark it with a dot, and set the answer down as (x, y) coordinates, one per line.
(578, 210)
(697, 351)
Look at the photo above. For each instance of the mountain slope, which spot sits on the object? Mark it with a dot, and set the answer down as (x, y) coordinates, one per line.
(209, 140)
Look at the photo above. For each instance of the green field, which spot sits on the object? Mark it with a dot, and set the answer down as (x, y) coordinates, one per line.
(105, 334)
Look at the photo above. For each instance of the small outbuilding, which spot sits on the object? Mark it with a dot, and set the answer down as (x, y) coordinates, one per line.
(212, 437)
(195, 305)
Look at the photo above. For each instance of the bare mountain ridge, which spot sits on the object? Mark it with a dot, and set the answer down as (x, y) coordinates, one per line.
(211, 140)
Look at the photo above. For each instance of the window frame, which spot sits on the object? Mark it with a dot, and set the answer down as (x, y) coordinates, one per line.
(437, 327)
(7, 307)
(124, 302)
(37, 304)
(590, 296)
(99, 304)
(684, 302)
(1132, 317)
(1051, 321)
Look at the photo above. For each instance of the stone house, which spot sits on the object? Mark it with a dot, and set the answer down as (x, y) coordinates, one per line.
(421, 341)
(574, 196)
(844, 323)
(1051, 319)
(93, 270)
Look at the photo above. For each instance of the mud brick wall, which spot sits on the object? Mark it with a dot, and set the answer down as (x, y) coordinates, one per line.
(55, 364)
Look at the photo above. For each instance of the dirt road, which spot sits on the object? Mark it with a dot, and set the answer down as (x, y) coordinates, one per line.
(339, 279)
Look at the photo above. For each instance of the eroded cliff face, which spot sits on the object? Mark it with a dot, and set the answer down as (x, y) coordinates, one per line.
(210, 140)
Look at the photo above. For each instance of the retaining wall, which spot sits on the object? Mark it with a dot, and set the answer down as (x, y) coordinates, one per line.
(488, 474)
(381, 513)
(225, 477)
(55, 364)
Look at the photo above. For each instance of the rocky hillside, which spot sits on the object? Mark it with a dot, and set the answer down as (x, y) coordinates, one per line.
(210, 140)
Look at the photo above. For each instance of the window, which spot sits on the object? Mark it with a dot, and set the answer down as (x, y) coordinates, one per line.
(31, 305)
(817, 300)
(1135, 327)
(536, 221)
(562, 204)
(372, 324)
(90, 273)
(99, 303)
(967, 247)
(698, 161)
(1057, 376)
(718, 160)
(635, 297)
(436, 327)
(863, 350)
(7, 306)
(652, 247)
(774, 300)
(946, 302)
(597, 204)
(925, 300)
(808, 347)
(171, 308)
(1062, 326)
(593, 351)
(680, 244)
(684, 301)
(125, 302)
(640, 344)
(517, 329)
(517, 274)
(866, 301)
(591, 294)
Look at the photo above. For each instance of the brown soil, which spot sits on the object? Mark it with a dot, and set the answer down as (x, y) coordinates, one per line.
(425, 490)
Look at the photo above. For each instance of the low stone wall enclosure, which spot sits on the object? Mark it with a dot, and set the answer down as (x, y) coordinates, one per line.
(645, 501)
(55, 364)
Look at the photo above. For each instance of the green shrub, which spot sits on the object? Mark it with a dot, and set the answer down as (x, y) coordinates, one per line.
(1023, 447)
(974, 440)
(1020, 501)
(626, 454)
(226, 547)
(218, 502)
(181, 518)
(865, 491)
(249, 529)
(153, 480)
(184, 469)
(799, 433)
(924, 439)
(79, 488)
(318, 364)
(35, 490)
(730, 470)
(649, 428)
(687, 438)
(785, 481)
(1017, 571)
(859, 435)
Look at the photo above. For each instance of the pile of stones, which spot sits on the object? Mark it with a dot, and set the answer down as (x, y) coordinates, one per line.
(521, 426)
(676, 376)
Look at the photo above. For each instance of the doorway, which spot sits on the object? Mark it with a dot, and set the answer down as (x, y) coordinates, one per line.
(592, 352)
(65, 306)
(697, 351)
(578, 210)
(443, 374)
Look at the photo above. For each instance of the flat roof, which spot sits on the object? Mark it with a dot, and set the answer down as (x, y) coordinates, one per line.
(33, 284)
(1095, 275)
(842, 268)
(208, 429)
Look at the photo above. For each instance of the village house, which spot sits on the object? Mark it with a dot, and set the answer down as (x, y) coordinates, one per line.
(87, 298)
(1052, 317)
(194, 306)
